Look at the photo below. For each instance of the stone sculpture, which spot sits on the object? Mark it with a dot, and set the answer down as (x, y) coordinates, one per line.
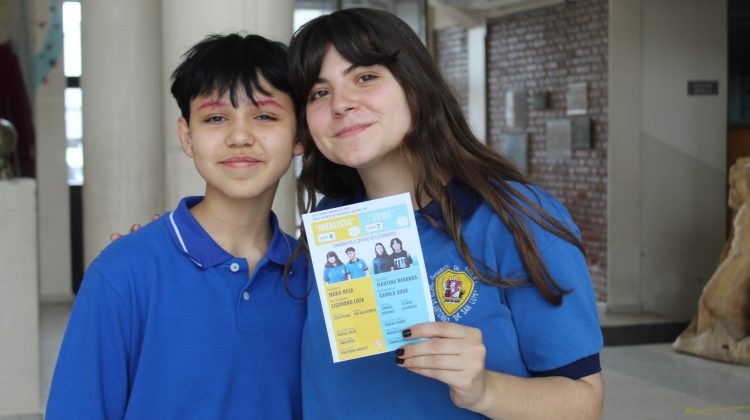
(721, 328)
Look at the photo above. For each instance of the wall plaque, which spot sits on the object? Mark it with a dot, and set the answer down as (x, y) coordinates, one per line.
(577, 98)
(581, 132)
(559, 138)
(515, 146)
(703, 87)
(515, 109)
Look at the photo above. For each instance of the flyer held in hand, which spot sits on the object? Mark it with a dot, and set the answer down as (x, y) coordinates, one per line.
(370, 274)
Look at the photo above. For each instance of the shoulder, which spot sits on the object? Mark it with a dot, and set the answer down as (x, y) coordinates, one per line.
(137, 244)
(545, 201)
(134, 254)
(535, 208)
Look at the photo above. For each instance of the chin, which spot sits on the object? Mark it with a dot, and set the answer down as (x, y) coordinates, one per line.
(356, 162)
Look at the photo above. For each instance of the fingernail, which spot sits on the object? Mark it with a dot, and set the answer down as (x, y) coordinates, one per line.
(406, 333)
(399, 352)
(399, 361)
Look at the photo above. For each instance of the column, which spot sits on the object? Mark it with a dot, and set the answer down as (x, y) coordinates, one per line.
(122, 124)
(53, 191)
(624, 158)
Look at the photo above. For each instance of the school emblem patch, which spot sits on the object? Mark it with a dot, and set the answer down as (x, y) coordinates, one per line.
(452, 290)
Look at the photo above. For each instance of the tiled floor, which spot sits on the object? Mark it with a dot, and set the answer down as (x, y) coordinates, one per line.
(653, 382)
(641, 382)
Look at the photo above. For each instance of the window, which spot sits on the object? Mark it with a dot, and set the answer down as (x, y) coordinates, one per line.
(73, 102)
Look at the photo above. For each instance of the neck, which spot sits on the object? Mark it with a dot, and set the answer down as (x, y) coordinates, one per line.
(240, 227)
(389, 178)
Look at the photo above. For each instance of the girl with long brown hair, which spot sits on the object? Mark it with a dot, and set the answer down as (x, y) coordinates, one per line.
(519, 334)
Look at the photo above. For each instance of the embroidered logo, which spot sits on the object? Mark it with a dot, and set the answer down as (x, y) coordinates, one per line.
(452, 290)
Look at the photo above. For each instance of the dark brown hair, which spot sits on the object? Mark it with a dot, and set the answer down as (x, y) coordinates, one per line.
(440, 145)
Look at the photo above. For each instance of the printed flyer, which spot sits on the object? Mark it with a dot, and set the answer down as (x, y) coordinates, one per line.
(370, 274)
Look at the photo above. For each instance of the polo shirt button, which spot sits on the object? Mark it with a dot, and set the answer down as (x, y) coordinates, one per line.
(246, 296)
(234, 267)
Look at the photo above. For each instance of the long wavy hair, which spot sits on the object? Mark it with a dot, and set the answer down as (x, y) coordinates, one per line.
(439, 146)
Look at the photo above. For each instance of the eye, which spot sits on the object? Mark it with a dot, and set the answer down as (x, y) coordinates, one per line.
(215, 118)
(266, 117)
(367, 77)
(317, 94)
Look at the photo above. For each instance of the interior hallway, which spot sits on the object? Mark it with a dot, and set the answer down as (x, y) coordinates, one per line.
(647, 381)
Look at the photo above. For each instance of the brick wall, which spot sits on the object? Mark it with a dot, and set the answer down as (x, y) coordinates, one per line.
(451, 54)
(546, 50)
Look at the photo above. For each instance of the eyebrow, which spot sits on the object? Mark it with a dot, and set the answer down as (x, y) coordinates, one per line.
(261, 102)
(270, 102)
(211, 104)
(343, 73)
(349, 69)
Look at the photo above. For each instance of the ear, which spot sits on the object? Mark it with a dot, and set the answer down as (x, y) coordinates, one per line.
(186, 141)
(298, 148)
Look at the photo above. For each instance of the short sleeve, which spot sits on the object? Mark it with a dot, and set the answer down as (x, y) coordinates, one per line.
(91, 376)
(551, 337)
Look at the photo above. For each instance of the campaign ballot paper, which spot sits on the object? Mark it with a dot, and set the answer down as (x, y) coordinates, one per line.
(368, 296)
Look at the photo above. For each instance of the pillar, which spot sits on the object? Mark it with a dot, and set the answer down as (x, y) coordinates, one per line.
(122, 124)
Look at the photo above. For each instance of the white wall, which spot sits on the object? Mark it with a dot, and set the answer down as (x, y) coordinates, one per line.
(683, 143)
(668, 190)
(19, 304)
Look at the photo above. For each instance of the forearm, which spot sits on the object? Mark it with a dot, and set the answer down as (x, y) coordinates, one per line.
(511, 397)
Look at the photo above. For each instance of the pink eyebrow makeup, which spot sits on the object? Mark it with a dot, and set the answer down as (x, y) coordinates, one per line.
(211, 104)
(269, 102)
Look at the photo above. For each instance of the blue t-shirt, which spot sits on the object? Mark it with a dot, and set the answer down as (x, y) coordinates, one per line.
(356, 268)
(524, 334)
(335, 274)
(168, 325)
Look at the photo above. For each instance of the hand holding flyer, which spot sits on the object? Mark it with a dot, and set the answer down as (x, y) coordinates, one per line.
(370, 274)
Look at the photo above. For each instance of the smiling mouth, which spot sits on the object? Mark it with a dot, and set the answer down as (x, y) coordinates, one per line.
(351, 130)
(240, 162)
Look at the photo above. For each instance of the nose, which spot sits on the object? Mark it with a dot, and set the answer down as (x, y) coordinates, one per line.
(342, 102)
(240, 134)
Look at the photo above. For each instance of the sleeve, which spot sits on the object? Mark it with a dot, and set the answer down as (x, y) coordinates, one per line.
(566, 336)
(409, 260)
(326, 277)
(91, 376)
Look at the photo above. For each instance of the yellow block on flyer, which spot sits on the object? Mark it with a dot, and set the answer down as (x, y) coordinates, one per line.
(355, 319)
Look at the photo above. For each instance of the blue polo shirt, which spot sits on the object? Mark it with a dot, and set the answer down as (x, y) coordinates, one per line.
(524, 334)
(335, 274)
(356, 268)
(168, 325)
